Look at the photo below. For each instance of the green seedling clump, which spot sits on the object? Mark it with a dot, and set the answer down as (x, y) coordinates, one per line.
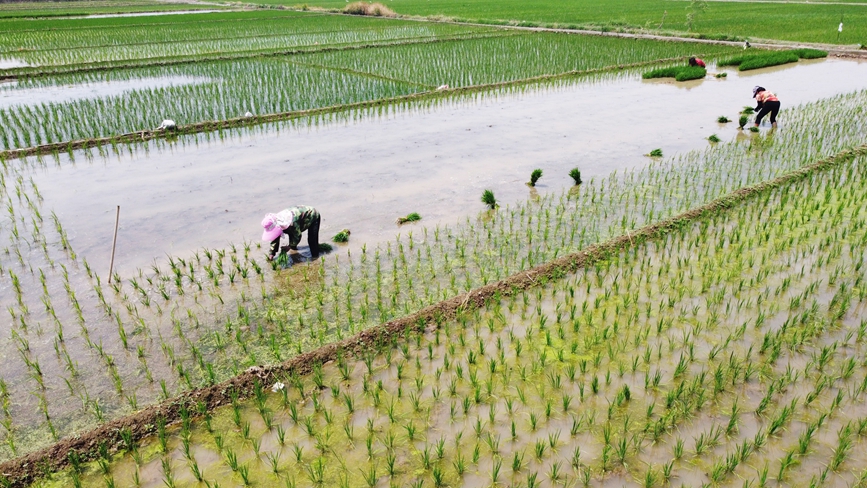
(489, 199)
(325, 248)
(713, 138)
(534, 177)
(342, 236)
(747, 62)
(575, 174)
(754, 129)
(742, 121)
(723, 119)
(722, 75)
(656, 153)
(679, 73)
(413, 217)
(748, 110)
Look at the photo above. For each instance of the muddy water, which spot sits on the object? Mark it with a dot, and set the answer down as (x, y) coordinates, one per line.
(364, 174)
(12, 94)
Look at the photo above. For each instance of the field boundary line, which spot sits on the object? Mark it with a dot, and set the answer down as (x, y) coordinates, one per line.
(237, 122)
(23, 470)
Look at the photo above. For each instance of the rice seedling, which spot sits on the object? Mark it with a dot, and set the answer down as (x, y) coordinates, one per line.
(722, 119)
(742, 121)
(489, 199)
(575, 174)
(534, 177)
(411, 217)
(342, 236)
(713, 138)
(655, 153)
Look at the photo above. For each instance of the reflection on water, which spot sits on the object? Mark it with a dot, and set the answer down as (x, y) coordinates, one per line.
(209, 190)
(9, 63)
(12, 94)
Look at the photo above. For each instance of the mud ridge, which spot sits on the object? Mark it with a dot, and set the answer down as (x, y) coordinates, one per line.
(215, 125)
(26, 469)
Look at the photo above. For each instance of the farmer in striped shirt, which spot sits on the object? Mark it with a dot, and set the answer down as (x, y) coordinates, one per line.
(292, 222)
(768, 103)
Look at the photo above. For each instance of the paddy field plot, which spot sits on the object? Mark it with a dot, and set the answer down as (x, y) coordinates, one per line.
(729, 350)
(83, 351)
(192, 301)
(220, 90)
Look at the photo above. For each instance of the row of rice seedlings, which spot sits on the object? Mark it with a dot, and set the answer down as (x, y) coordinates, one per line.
(75, 42)
(132, 53)
(682, 361)
(336, 299)
(483, 61)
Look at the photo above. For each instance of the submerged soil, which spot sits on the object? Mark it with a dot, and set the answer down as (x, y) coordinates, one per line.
(362, 175)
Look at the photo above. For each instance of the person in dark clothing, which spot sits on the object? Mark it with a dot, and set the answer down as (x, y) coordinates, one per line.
(767, 103)
(292, 222)
(693, 61)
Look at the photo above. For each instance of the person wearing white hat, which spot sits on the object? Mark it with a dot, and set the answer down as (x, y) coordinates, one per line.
(292, 222)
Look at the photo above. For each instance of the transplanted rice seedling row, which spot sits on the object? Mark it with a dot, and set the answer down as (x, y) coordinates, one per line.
(483, 61)
(729, 352)
(221, 90)
(71, 42)
(204, 91)
(199, 319)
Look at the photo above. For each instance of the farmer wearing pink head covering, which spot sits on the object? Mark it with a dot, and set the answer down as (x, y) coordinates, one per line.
(292, 222)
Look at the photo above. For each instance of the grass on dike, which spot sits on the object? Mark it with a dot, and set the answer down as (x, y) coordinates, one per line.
(721, 352)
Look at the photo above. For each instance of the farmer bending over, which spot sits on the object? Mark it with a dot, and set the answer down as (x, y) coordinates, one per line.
(767, 103)
(292, 222)
(693, 61)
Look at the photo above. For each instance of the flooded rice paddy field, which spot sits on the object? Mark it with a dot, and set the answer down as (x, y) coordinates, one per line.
(363, 174)
(403, 60)
(81, 350)
(729, 353)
